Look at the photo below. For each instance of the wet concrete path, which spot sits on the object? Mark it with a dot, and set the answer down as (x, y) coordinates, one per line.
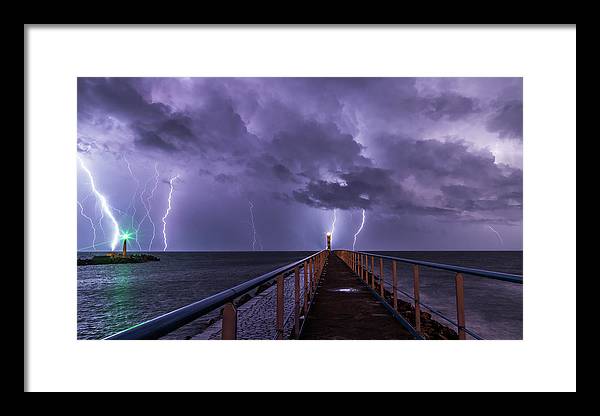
(345, 309)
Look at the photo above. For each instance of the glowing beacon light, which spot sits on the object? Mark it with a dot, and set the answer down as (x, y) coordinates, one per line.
(125, 236)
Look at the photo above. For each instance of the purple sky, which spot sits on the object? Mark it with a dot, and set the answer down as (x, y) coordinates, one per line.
(436, 163)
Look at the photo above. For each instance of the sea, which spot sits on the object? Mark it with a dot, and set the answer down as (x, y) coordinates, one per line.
(111, 298)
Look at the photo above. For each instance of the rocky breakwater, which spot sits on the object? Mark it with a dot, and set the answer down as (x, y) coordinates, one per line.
(116, 259)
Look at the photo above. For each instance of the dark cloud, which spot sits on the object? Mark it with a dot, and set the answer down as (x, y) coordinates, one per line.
(313, 148)
(330, 195)
(361, 188)
(411, 208)
(388, 145)
(283, 173)
(507, 120)
(466, 198)
(468, 180)
(177, 126)
(150, 139)
(432, 161)
(217, 127)
(450, 106)
(119, 98)
(224, 178)
(212, 127)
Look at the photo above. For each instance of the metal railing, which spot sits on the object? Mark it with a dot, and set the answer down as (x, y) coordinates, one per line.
(312, 267)
(360, 261)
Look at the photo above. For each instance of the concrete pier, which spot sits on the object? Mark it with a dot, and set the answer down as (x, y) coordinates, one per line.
(328, 295)
(344, 308)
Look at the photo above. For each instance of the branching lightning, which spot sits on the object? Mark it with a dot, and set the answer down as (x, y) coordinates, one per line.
(164, 218)
(91, 224)
(252, 225)
(100, 219)
(333, 225)
(137, 186)
(497, 234)
(96, 245)
(146, 208)
(156, 177)
(360, 229)
(105, 206)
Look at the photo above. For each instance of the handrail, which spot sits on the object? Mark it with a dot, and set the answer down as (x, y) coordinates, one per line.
(436, 312)
(363, 264)
(164, 324)
(506, 277)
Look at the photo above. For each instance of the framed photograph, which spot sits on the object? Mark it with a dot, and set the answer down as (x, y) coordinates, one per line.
(228, 195)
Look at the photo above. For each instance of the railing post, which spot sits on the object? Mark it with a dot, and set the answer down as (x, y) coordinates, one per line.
(395, 284)
(311, 276)
(315, 275)
(373, 272)
(359, 267)
(417, 298)
(381, 278)
(321, 265)
(279, 314)
(297, 301)
(229, 322)
(460, 306)
(312, 273)
(305, 273)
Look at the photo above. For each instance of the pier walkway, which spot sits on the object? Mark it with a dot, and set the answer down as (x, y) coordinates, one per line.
(328, 295)
(344, 308)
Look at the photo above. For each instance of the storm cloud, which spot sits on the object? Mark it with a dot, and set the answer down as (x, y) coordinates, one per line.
(408, 150)
(507, 120)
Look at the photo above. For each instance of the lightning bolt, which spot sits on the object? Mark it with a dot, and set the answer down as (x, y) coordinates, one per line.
(360, 229)
(146, 208)
(91, 224)
(333, 225)
(104, 204)
(137, 186)
(253, 226)
(97, 244)
(101, 218)
(156, 176)
(164, 218)
(121, 212)
(497, 234)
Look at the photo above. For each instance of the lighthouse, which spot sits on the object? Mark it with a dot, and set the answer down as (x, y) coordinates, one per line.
(329, 241)
(125, 236)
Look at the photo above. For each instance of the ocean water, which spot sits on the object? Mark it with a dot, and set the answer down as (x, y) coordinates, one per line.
(111, 298)
(114, 297)
(493, 309)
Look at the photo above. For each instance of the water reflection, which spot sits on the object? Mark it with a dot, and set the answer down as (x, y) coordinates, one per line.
(118, 300)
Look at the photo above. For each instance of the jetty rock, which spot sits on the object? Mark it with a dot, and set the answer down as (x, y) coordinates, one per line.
(116, 259)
